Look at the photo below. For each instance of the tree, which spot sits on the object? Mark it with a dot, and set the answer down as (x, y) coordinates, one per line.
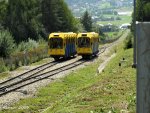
(3, 9)
(49, 15)
(56, 16)
(23, 19)
(6, 44)
(86, 20)
(142, 10)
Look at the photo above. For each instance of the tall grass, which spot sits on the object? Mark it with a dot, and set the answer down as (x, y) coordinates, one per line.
(128, 43)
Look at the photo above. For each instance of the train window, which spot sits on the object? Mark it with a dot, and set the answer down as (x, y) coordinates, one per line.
(83, 42)
(56, 43)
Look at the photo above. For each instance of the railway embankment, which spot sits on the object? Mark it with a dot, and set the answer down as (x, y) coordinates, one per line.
(83, 89)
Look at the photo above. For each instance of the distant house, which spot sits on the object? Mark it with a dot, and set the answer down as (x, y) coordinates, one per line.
(125, 26)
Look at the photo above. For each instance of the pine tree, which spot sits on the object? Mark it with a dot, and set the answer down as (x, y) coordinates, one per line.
(86, 20)
(6, 43)
(23, 19)
(49, 15)
(3, 9)
(56, 16)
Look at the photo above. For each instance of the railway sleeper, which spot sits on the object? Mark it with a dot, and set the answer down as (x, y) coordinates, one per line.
(3, 90)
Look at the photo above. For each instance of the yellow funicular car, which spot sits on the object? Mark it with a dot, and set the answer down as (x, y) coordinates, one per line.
(87, 44)
(62, 45)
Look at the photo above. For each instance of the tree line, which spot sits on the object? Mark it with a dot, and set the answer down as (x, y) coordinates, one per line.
(21, 20)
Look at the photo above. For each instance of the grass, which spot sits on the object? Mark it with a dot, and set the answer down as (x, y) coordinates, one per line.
(85, 91)
(4, 75)
(113, 35)
(110, 34)
(43, 61)
(124, 9)
(113, 90)
(124, 19)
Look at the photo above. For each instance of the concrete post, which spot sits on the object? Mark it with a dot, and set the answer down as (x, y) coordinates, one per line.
(135, 40)
(143, 67)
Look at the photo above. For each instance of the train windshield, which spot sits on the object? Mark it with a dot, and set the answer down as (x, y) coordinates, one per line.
(56, 43)
(83, 42)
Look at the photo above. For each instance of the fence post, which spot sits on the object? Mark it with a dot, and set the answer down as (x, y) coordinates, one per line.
(143, 67)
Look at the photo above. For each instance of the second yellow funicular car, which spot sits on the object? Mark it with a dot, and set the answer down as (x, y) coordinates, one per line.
(87, 44)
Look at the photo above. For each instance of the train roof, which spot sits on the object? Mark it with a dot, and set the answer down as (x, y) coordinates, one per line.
(63, 35)
(89, 34)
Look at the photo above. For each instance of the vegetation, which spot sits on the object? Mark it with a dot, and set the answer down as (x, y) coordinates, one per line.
(99, 7)
(6, 44)
(23, 19)
(124, 19)
(36, 18)
(24, 23)
(143, 9)
(85, 90)
(3, 9)
(57, 16)
(86, 20)
(25, 54)
(128, 43)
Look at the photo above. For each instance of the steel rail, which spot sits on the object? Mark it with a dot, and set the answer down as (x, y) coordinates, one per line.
(39, 77)
(27, 74)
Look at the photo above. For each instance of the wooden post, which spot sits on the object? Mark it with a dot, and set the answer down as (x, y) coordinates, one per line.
(143, 67)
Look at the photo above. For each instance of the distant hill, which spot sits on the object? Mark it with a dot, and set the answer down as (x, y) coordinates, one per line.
(81, 1)
(95, 6)
(95, 1)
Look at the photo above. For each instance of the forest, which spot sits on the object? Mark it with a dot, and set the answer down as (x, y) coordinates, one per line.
(25, 26)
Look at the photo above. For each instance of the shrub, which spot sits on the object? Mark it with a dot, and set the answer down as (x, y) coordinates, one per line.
(26, 53)
(128, 43)
(2, 67)
(6, 43)
(25, 46)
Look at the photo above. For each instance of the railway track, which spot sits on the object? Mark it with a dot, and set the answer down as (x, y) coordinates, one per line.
(102, 49)
(37, 77)
(27, 74)
(35, 74)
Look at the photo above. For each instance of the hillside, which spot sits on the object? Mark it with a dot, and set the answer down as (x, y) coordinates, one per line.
(103, 11)
(85, 90)
(79, 5)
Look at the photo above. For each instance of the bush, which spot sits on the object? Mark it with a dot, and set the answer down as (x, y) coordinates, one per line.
(25, 46)
(2, 67)
(6, 44)
(128, 43)
(26, 53)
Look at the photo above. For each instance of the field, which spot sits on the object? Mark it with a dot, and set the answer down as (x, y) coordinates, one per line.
(113, 35)
(86, 91)
(124, 19)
